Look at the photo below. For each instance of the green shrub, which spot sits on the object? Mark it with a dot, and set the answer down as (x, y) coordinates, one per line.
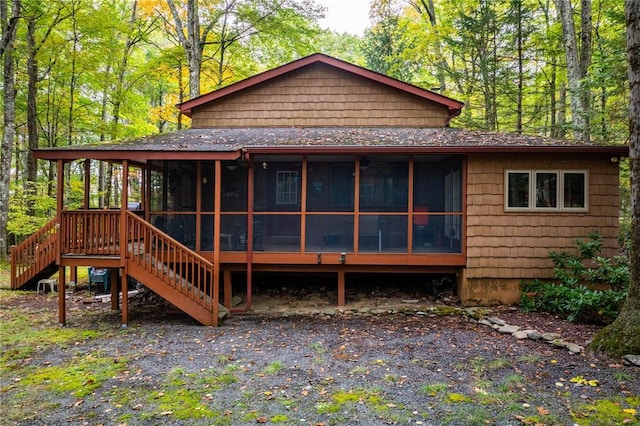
(588, 287)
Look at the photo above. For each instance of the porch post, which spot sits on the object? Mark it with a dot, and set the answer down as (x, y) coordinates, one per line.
(123, 241)
(115, 300)
(249, 239)
(62, 285)
(341, 292)
(73, 274)
(87, 182)
(228, 298)
(215, 297)
(59, 207)
(123, 211)
(125, 298)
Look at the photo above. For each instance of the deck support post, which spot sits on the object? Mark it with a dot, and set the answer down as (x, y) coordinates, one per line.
(228, 298)
(125, 299)
(62, 285)
(73, 274)
(341, 290)
(115, 300)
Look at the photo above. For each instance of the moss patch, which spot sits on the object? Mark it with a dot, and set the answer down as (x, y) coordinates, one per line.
(79, 377)
(606, 412)
(184, 395)
(23, 332)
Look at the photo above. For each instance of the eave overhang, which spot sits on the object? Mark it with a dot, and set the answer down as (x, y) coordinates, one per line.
(234, 143)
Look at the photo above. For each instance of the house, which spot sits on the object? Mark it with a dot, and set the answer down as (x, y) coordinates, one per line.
(323, 166)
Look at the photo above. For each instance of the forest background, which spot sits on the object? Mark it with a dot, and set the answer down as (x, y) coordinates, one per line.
(81, 71)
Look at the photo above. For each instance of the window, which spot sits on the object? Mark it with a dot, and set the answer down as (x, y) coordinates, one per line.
(575, 190)
(546, 190)
(287, 187)
(518, 192)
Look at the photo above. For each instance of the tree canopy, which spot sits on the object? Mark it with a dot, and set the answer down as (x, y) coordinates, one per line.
(85, 71)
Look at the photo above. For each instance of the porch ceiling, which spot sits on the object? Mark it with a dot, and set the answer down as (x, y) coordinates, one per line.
(230, 143)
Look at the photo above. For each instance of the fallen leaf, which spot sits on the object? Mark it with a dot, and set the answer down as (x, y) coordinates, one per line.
(543, 411)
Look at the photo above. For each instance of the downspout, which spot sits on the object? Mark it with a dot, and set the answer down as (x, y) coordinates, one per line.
(249, 238)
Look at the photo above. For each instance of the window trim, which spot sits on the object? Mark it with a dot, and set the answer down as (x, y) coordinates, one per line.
(560, 207)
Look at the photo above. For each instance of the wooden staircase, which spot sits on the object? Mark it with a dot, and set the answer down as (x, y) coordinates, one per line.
(173, 271)
(162, 264)
(35, 258)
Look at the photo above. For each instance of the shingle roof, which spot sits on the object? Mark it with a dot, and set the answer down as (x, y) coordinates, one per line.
(339, 139)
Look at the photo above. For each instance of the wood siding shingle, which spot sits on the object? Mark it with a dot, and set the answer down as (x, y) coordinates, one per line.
(320, 96)
(514, 245)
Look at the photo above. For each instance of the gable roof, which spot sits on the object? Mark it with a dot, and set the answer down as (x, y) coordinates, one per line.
(453, 106)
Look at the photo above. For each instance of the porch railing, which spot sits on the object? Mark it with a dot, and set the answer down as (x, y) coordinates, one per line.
(90, 232)
(34, 254)
(170, 261)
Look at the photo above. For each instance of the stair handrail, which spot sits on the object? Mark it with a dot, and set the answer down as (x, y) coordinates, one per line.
(33, 254)
(154, 250)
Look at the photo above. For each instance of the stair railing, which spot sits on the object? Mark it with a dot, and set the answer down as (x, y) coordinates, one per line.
(34, 254)
(172, 262)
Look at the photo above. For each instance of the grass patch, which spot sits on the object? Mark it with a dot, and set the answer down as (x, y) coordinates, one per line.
(433, 389)
(470, 416)
(359, 371)
(318, 348)
(273, 368)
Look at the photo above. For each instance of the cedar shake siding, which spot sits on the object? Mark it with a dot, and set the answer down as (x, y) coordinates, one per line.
(506, 247)
(320, 96)
(515, 245)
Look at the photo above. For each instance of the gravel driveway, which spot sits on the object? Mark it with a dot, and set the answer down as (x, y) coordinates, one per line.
(322, 367)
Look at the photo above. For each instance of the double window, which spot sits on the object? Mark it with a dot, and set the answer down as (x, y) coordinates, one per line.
(545, 190)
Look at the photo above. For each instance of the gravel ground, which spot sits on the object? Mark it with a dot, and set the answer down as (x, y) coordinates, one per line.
(314, 365)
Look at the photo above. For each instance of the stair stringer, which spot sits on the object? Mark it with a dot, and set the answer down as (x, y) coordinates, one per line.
(172, 295)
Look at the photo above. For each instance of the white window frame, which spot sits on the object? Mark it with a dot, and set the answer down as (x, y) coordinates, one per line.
(506, 190)
(533, 188)
(585, 173)
(560, 201)
(287, 187)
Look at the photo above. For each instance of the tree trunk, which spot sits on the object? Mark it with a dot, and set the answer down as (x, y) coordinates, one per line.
(191, 43)
(9, 116)
(520, 53)
(578, 61)
(103, 137)
(427, 6)
(32, 118)
(623, 335)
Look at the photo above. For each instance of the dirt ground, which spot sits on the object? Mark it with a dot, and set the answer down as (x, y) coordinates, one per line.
(392, 357)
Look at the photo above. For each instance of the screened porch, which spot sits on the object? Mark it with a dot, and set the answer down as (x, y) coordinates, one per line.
(314, 203)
